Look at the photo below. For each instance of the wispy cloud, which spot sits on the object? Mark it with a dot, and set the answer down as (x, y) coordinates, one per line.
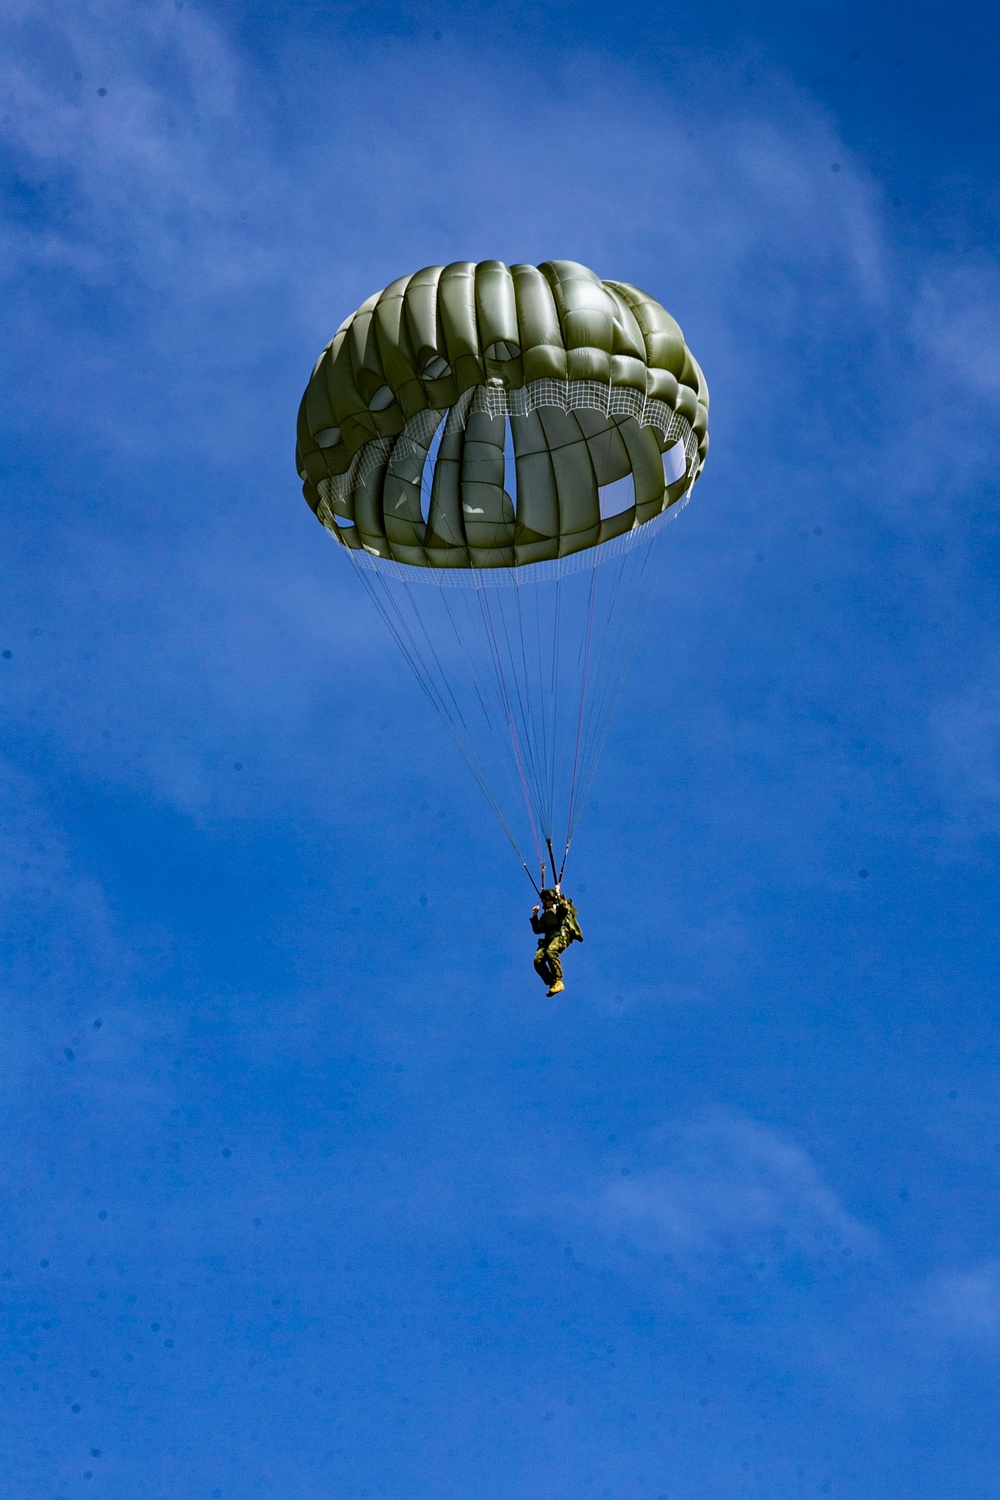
(184, 178)
(957, 321)
(731, 1190)
(965, 729)
(126, 133)
(965, 1305)
(740, 1207)
(55, 921)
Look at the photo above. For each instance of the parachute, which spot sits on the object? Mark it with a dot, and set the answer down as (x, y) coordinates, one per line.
(498, 449)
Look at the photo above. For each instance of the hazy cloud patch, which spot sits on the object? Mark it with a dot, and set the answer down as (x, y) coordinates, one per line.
(965, 1305)
(965, 732)
(957, 322)
(732, 1191)
(55, 923)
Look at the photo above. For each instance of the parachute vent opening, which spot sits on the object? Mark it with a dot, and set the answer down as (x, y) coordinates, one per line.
(616, 497)
(382, 399)
(427, 473)
(509, 464)
(674, 464)
(503, 351)
(436, 368)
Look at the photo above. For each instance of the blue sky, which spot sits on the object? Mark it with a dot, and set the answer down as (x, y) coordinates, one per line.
(299, 1202)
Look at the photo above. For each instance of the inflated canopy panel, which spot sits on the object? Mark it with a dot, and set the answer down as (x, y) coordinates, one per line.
(486, 416)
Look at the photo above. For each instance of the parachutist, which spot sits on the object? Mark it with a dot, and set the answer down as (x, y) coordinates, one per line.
(556, 924)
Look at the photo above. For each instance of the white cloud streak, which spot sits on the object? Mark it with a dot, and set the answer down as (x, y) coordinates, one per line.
(957, 322)
(965, 1305)
(733, 1189)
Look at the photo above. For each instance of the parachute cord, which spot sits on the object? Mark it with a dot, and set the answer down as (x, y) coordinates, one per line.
(518, 713)
(583, 697)
(613, 631)
(482, 687)
(401, 634)
(529, 717)
(494, 657)
(587, 706)
(513, 727)
(649, 576)
(614, 658)
(498, 685)
(575, 803)
(466, 750)
(483, 705)
(556, 640)
(537, 752)
(552, 856)
(516, 690)
(534, 648)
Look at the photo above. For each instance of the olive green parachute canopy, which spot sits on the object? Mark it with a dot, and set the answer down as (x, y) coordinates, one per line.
(475, 416)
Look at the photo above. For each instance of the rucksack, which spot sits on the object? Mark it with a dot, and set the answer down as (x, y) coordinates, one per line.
(567, 911)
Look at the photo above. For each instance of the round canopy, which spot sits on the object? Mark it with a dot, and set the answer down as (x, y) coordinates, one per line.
(485, 416)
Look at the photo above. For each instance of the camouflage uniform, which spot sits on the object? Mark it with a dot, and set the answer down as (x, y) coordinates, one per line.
(557, 927)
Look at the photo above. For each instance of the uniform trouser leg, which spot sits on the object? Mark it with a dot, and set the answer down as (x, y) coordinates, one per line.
(547, 965)
(543, 965)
